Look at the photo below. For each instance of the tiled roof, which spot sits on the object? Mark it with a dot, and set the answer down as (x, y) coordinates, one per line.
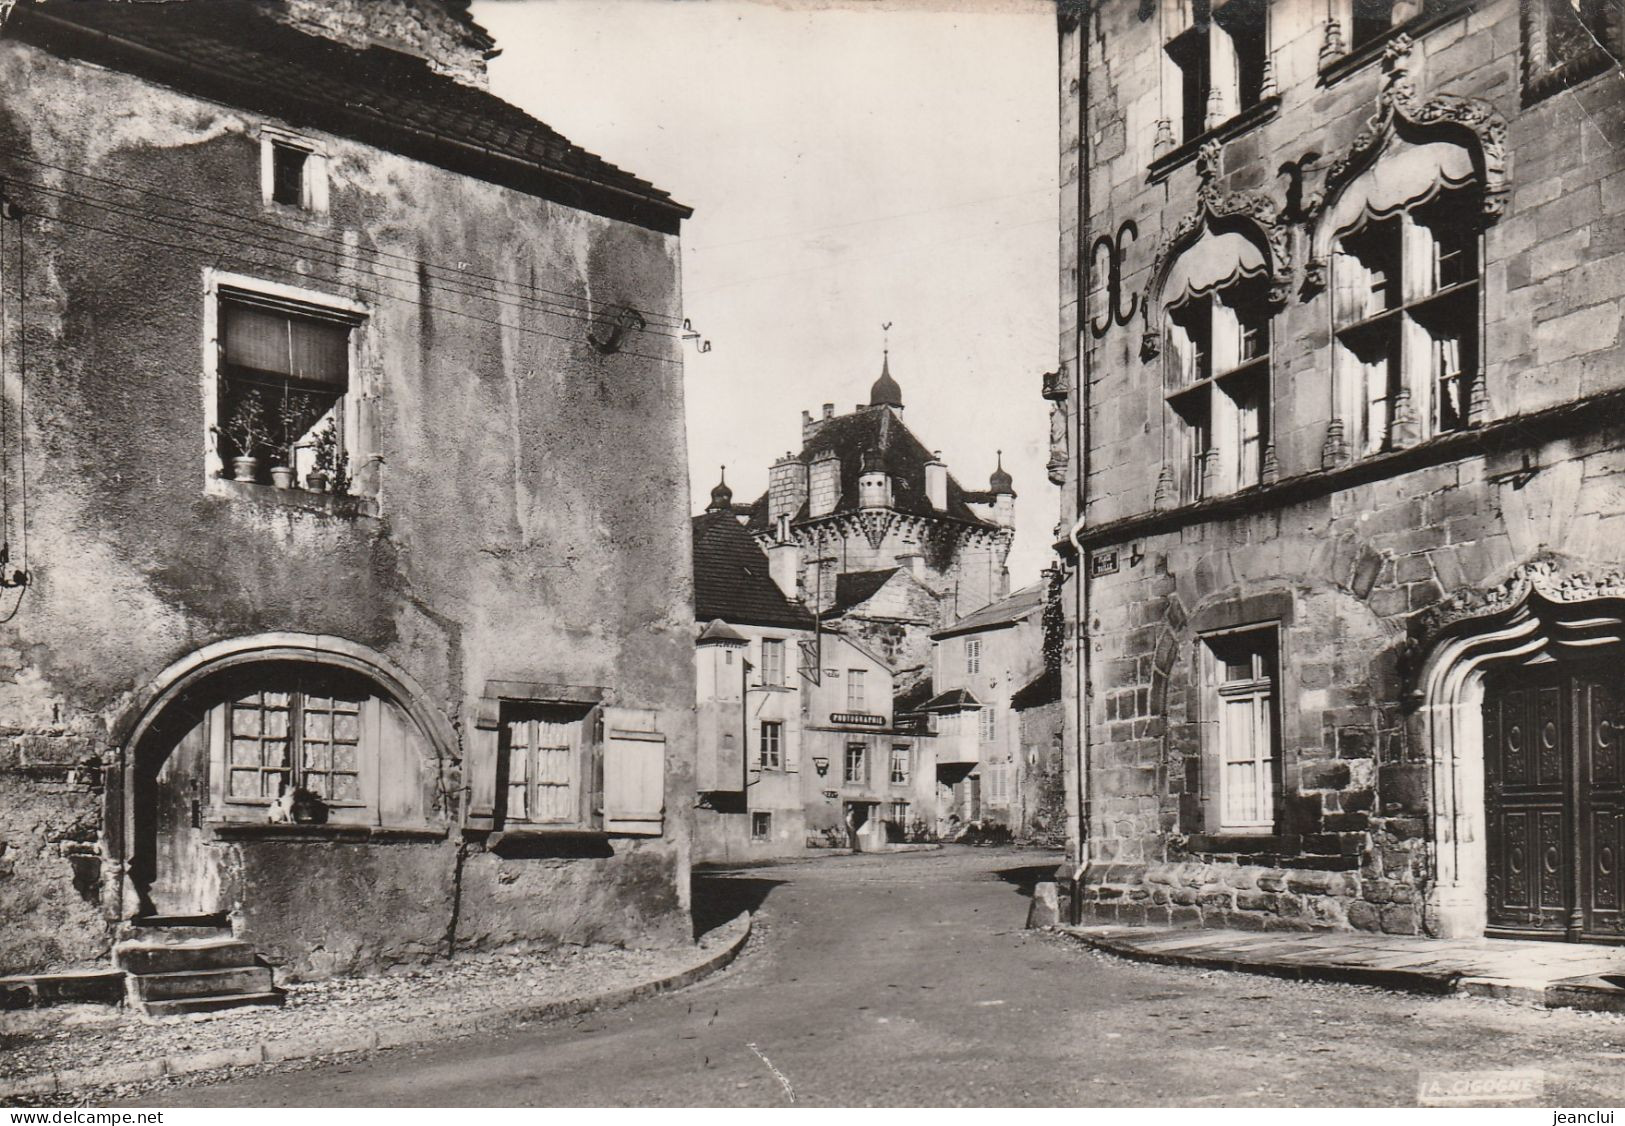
(953, 700)
(1046, 689)
(904, 456)
(731, 578)
(232, 52)
(857, 587)
(1005, 612)
(720, 630)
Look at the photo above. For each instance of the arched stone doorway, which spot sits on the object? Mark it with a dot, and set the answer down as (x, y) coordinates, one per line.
(220, 736)
(1522, 697)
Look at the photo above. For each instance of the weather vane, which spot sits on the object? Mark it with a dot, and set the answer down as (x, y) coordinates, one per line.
(885, 342)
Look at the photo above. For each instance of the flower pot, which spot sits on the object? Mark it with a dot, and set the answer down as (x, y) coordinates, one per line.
(245, 468)
(282, 476)
(316, 481)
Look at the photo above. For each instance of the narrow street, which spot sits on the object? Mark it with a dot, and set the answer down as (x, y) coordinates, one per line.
(908, 979)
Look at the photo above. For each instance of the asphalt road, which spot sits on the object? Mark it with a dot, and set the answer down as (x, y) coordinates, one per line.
(908, 980)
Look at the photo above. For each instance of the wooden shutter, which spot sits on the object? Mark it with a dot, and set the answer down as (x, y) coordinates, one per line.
(634, 773)
(481, 766)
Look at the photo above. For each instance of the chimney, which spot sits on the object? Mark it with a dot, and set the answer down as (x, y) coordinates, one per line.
(784, 565)
(824, 485)
(915, 562)
(829, 410)
(936, 481)
(808, 427)
(786, 488)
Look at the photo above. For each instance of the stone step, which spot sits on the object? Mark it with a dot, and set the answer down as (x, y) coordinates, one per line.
(206, 1004)
(153, 929)
(173, 957)
(199, 983)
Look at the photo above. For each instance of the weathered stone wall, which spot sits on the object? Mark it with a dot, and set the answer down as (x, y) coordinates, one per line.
(531, 494)
(1345, 559)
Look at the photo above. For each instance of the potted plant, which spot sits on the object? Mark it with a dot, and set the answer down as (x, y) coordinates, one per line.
(244, 427)
(332, 469)
(293, 421)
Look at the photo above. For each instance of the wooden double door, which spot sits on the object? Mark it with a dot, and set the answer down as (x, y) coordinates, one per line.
(1554, 795)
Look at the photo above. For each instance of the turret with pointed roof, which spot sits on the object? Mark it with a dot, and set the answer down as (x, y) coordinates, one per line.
(864, 496)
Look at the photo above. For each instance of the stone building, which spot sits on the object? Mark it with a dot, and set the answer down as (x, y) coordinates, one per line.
(1341, 388)
(979, 664)
(875, 533)
(797, 744)
(346, 597)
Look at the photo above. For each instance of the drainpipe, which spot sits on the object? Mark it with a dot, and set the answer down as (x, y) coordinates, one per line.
(1081, 459)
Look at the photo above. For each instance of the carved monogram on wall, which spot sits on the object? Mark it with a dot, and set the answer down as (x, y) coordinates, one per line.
(1116, 251)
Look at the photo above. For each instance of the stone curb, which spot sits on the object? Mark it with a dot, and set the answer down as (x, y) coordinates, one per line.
(1410, 981)
(1541, 993)
(306, 1047)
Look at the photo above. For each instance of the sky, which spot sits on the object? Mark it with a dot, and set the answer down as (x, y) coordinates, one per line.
(850, 164)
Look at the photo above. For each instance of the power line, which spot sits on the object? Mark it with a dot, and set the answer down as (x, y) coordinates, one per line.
(288, 247)
(80, 174)
(359, 289)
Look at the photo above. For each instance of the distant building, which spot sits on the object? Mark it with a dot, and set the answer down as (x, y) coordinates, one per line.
(344, 608)
(986, 763)
(797, 745)
(874, 533)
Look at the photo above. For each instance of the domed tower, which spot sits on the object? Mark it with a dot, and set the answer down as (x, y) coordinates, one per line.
(884, 392)
(1002, 486)
(722, 497)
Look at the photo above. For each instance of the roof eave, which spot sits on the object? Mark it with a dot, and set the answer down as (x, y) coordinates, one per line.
(611, 201)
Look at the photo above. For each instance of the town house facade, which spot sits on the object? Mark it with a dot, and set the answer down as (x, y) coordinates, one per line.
(346, 597)
(1339, 412)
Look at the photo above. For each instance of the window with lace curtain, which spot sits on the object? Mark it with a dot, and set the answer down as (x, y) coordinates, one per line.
(1405, 307)
(1217, 385)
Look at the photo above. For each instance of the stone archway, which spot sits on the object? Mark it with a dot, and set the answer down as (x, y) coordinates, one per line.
(165, 784)
(1539, 616)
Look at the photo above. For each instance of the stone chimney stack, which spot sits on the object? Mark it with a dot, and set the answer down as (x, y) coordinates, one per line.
(786, 488)
(936, 481)
(824, 486)
(784, 565)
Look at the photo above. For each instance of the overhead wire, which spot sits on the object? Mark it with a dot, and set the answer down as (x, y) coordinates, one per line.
(217, 255)
(456, 272)
(335, 256)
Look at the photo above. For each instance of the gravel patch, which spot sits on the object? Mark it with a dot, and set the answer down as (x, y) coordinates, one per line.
(105, 1037)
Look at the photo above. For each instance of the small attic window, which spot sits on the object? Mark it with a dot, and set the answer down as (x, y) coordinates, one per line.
(293, 172)
(288, 174)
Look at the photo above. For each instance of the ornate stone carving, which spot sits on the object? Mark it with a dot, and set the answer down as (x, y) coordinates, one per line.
(1398, 104)
(1058, 448)
(1215, 207)
(1549, 577)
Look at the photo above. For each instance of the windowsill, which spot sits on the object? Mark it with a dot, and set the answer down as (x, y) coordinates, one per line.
(1243, 122)
(770, 688)
(545, 833)
(1358, 58)
(333, 504)
(287, 831)
(1483, 440)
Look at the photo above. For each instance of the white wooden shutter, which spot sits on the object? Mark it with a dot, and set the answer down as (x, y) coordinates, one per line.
(634, 773)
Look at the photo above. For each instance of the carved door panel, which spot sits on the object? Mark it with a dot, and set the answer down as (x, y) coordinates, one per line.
(1601, 822)
(1526, 815)
(1554, 774)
